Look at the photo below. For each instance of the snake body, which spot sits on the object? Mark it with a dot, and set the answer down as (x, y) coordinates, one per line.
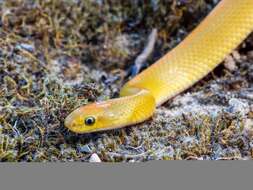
(228, 24)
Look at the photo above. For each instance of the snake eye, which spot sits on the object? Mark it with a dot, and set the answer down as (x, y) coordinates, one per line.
(89, 121)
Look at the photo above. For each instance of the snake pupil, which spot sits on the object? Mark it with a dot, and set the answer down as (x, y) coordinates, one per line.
(89, 120)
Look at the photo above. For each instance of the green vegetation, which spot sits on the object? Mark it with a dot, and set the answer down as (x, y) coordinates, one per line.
(56, 55)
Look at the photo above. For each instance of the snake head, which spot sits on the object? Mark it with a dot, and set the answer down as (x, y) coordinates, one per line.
(90, 118)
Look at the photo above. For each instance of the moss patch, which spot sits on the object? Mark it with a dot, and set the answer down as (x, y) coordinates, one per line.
(57, 55)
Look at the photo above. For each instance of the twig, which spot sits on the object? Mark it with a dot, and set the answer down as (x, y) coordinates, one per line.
(141, 59)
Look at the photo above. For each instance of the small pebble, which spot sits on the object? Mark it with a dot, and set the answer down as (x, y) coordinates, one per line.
(94, 158)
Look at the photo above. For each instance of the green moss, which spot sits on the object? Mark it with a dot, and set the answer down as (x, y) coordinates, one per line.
(54, 57)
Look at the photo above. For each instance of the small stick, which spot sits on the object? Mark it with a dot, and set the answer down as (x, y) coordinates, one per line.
(141, 59)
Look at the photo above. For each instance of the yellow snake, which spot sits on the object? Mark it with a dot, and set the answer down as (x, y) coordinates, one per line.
(228, 24)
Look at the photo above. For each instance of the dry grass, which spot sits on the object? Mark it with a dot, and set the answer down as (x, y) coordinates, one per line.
(57, 55)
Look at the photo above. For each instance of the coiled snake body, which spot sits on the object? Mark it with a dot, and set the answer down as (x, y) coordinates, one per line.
(200, 52)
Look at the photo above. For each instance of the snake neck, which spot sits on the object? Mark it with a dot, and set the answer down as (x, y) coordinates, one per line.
(140, 102)
(199, 53)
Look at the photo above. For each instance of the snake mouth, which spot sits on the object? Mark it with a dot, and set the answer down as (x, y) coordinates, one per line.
(72, 126)
(67, 121)
(72, 122)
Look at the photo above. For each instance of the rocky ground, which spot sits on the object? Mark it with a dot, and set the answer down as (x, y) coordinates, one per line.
(58, 55)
